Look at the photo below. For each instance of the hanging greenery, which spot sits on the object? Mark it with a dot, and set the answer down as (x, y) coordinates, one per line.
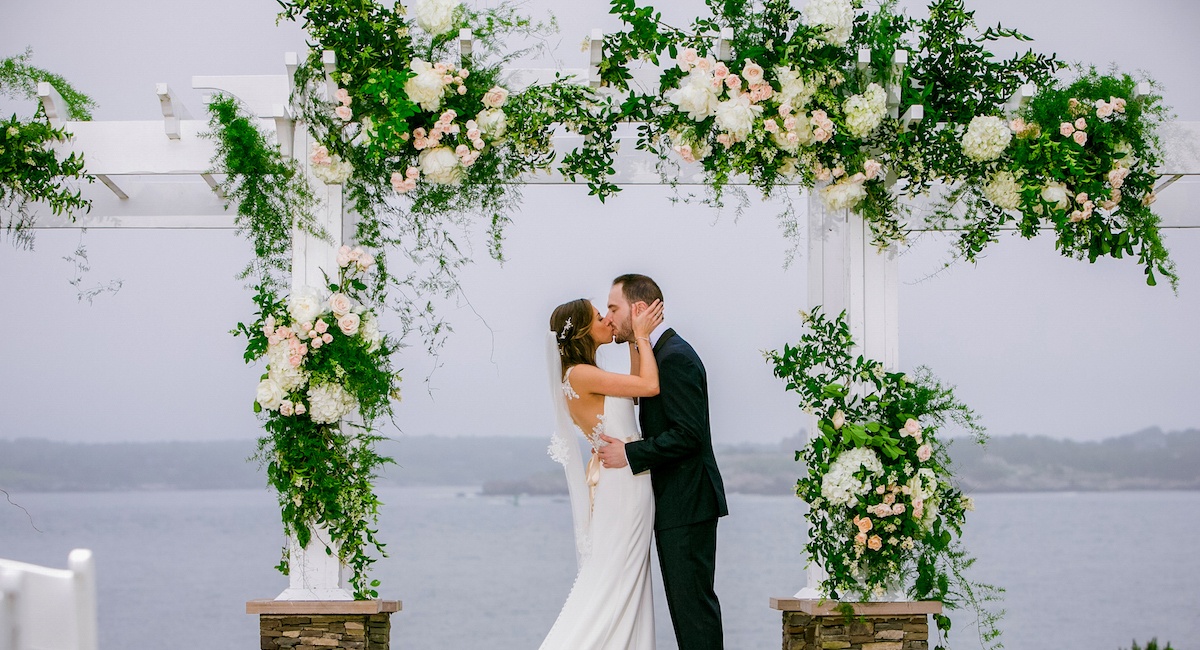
(30, 169)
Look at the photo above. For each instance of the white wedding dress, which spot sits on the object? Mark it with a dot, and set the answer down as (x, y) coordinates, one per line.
(611, 605)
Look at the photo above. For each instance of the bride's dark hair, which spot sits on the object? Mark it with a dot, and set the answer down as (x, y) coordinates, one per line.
(575, 344)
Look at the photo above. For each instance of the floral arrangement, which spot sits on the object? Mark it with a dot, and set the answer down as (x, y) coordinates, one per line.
(326, 360)
(1068, 162)
(30, 169)
(884, 514)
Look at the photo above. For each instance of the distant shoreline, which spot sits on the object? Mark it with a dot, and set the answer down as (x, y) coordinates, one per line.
(1149, 460)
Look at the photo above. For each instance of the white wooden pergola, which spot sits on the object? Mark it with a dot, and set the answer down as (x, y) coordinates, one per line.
(157, 175)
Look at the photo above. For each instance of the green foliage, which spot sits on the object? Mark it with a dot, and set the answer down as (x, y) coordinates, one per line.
(30, 169)
(889, 518)
(1152, 645)
(272, 194)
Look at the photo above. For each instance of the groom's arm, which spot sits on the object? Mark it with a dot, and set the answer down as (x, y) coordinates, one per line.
(684, 408)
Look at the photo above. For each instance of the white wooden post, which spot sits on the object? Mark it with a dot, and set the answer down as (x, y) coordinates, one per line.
(847, 272)
(315, 574)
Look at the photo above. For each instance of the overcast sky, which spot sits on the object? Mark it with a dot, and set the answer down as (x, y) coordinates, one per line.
(1036, 343)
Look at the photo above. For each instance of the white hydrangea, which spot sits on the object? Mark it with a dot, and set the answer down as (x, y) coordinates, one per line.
(839, 486)
(329, 403)
(426, 87)
(792, 89)
(370, 332)
(334, 173)
(986, 138)
(736, 116)
(440, 165)
(864, 112)
(281, 371)
(1003, 190)
(844, 195)
(696, 96)
(837, 16)
(436, 16)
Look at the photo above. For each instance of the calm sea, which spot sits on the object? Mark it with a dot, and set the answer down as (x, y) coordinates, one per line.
(1082, 571)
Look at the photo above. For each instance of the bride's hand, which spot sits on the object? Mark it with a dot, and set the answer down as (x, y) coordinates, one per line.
(645, 320)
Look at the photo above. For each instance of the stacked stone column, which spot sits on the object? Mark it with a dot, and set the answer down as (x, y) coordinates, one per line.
(817, 625)
(324, 625)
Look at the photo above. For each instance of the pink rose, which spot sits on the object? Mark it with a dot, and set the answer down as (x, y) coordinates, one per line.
(888, 498)
(820, 135)
(721, 70)
(285, 408)
(300, 409)
(317, 343)
(1081, 198)
(327, 337)
(704, 64)
(1103, 109)
(295, 360)
(1118, 103)
(321, 327)
(785, 109)
(495, 97)
(349, 324)
(462, 150)
(342, 96)
(343, 254)
(1117, 176)
(793, 137)
(898, 509)
(871, 168)
(725, 140)
(1073, 103)
(823, 174)
(860, 539)
(789, 123)
(1066, 129)
(397, 182)
(752, 72)
(462, 90)
(733, 82)
(771, 126)
(839, 171)
(340, 303)
(690, 56)
(1081, 124)
(685, 152)
(1080, 137)
(924, 452)
(412, 173)
(366, 261)
(875, 543)
(1077, 216)
(344, 112)
(1017, 125)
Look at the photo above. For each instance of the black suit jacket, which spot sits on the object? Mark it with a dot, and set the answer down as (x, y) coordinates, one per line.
(677, 440)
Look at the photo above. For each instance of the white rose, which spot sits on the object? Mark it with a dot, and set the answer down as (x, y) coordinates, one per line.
(495, 97)
(440, 165)
(696, 96)
(986, 138)
(736, 116)
(837, 16)
(838, 420)
(436, 16)
(492, 122)
(792, 89)
(426, 87)
(1057, 194)
(371, 333)
(349, 323)
(340, 304)
(844, 195)
(305, 305)
(269, 394)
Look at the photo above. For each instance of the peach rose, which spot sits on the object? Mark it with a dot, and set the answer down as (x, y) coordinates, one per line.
(875, 543)
(864, 524)
(860, 539)
(1081, 124)
(1066, 129)
(344, 112)
(1080, 137)
(871, 168)
(340, 303)
(924, 452)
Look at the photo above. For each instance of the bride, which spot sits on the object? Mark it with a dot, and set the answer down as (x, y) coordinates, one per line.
(611, 604)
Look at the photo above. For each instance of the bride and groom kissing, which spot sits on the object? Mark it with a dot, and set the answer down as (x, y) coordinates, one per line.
(660, 477)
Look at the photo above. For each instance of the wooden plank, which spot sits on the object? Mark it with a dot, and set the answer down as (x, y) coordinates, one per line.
(322, 607)
(818, 607)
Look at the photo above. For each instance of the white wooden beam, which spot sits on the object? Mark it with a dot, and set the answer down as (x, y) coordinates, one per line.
(291, 61)
(724, 48)
(53, 104)
(211, 181)
(285, 129)
(914, 114)
(259, 93)
(172, 110)
(329, 62)
(466, 44)
(1020, 98)
(595, 56)
(894, 89)
(864, 58)
(110, 184)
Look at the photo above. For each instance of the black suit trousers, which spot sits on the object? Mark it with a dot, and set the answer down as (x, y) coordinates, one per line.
(686, 555)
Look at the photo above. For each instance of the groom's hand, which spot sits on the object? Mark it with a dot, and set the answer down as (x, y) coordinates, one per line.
(612, 455)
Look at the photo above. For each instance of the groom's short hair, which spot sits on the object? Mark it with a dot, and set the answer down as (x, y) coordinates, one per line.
(639, 288)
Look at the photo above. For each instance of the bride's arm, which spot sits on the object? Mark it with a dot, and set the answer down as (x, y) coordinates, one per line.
(643, 378)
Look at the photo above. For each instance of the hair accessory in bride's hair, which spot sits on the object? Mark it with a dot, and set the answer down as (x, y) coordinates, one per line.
(566, 328)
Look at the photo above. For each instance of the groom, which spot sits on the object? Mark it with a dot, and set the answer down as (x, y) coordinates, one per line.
(676, 447)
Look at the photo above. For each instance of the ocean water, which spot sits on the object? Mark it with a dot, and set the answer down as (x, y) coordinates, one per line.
(1082, 571)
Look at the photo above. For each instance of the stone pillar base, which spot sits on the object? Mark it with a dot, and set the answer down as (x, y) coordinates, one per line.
(817, 625)
(324, 624)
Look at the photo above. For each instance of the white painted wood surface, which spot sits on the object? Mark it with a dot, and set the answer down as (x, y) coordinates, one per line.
(48, 609)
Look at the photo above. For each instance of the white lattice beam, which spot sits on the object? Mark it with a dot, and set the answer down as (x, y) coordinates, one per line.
(172, 110)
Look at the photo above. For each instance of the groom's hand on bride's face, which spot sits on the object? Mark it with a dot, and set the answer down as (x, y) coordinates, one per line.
(612, 455)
